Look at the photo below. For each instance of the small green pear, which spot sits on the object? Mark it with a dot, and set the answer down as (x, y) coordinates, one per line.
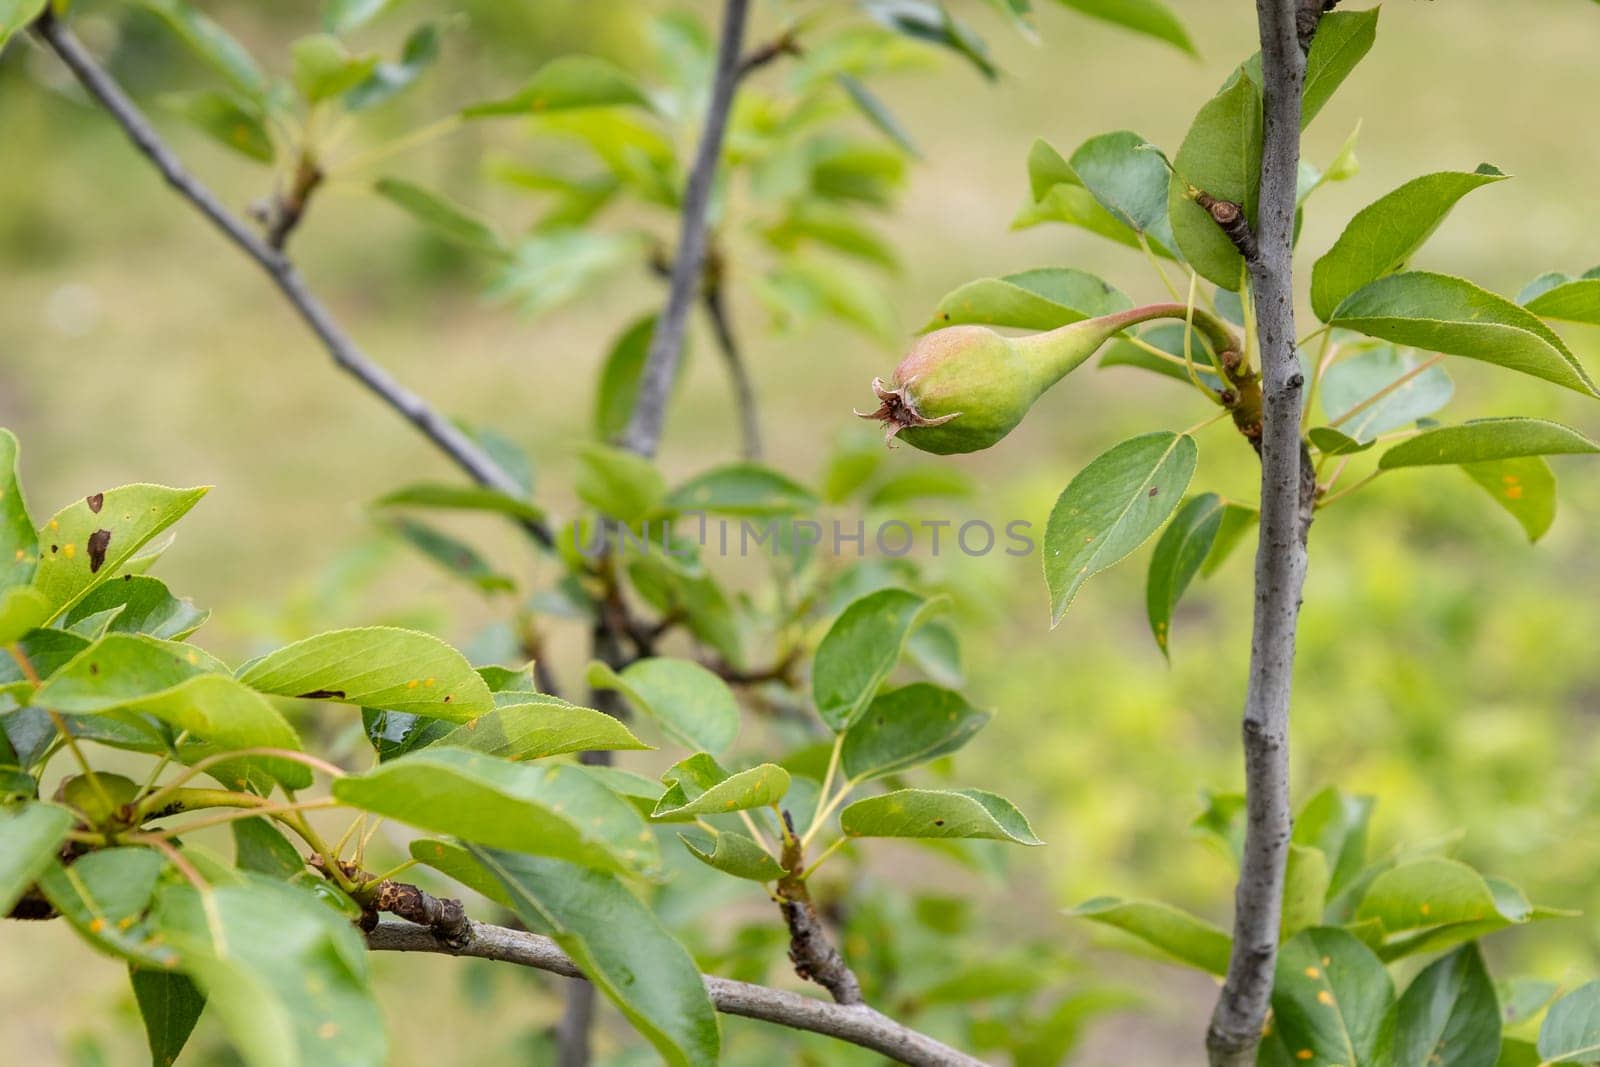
(104, 802)
(963, 388)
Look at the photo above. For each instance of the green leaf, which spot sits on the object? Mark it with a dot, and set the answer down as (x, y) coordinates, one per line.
(553, 266)
(833, 227)
(1351, 382)
(906, 727)
(170, 1004)
(29, 837)
(15, 16)
(734, 854)
(933, 23)
(284, 973)
(1183, 547)
(1032, 300)
(1444, 314)
(120, 667)
(323, 68)
(1525, 487)
(621, 946)
(147, 607)
(1382, 236)
(1221, 156)
(861, 649)
(342, 16)
(179, 685)
(1129, 177)
(88, 543)
(742, 489)
(937, 813)
(1484, 440)
(229, 118)
(1573, 301)
(548, 810)
(921, 483)
(454, 556)
(394, 733)
(445, 217)
(219, 710)
(375, 666)
(460, 498)
(618, 483)
(212, 44)
(619, 378)
(105, 896)
(1149, 17)
(565, 84)
(1449, 1016)
(456, 862)
(1335, 823)
(876, 112)
(799, 291)
(259, 846)
(1571, 1030)
(1111, 508)
(21, 609)
(1331, 442)
(540, 728)
(1176, 933)
(420, 49)
(1427, 892)
(693, 792)
(1332, 999)
(691, 704)
(1305, 890)
(1343, 40)
(19, 543)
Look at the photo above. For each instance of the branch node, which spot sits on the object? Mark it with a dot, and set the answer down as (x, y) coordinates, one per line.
(1230, 218)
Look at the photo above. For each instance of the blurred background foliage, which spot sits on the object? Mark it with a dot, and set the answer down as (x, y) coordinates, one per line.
(1446, 667)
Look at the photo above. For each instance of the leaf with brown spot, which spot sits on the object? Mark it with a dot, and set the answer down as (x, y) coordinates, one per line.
(99, 541)
(95, 502)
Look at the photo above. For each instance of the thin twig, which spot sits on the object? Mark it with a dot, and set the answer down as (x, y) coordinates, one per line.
(856, 1024)
(643, 434)
(465, 452)
(1288, 493)
(744, 393)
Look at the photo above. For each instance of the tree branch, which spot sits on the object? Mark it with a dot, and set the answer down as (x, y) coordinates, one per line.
(814, 956)
(666, 343)
(1241, 1009)
(744, 393)
(786, 43)
(346, 354)
(856, 1024)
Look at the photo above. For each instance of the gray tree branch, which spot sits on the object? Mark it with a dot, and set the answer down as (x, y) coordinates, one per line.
(1241, 1009)
(345, 353)
(643, 434)
(856, 1024)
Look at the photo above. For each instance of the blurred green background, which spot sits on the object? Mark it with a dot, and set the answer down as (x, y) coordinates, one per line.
(1445, 666)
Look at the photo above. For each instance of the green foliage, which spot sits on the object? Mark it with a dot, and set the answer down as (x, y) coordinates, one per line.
(1383, 236)
(1111, 508)
(690, 704)
(620, 945)
(1220, 156)
(860, 650)
(551, 811)
(928, 813)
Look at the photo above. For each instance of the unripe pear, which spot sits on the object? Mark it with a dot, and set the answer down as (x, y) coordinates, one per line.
(963, 388)
(103, 801)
